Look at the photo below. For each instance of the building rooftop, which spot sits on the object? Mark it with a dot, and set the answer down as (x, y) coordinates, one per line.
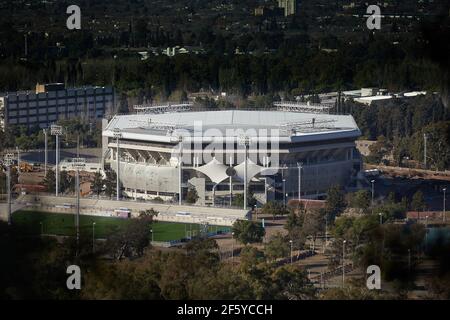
(292, 125)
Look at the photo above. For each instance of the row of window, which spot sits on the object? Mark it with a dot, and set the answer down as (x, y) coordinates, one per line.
(54, 102)
(45, 119)
(72, 109)
(59, 94)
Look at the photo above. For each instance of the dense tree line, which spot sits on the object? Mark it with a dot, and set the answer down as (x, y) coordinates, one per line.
(298, 70)
(399, 127)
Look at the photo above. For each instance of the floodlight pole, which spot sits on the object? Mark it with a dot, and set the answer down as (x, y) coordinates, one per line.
(245, 141)
(8, 162)
(180, 170)
(231, 181)
(57, 165)
(78, 163)
(56, 131)
(117, 134)
(45, 151)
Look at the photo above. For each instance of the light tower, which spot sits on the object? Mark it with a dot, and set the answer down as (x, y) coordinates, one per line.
(56, 131)
(45, 151)
(245, 141)
(118, 135)
(78, 164)
(8, 161)
(180, 169)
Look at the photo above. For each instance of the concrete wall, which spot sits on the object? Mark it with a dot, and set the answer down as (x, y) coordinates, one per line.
(216, 216)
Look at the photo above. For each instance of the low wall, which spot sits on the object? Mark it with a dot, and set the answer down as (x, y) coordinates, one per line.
(216, 216)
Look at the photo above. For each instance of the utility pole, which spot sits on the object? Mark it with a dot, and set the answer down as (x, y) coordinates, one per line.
(8, 160)
(291, 242)
(232, 247)
(343, 262)
(265, 188)
(444, 212)
(118, 135)
(78, 164)
(326, 231)
(18, 160)
(373, 192)
(299, 166)
(93, 237)
(45, 151)
(56, 131)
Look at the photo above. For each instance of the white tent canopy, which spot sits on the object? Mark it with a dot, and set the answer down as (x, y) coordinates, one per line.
(252, 170)
(214, 170)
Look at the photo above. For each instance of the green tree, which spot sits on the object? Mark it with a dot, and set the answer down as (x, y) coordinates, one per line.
(131, 240)
(335, 202)
(238, 200)
(110, 183)
(192, 196)
(313, 224)
(97, 184)
(50, 181)
(277, 247)
(379, 149)
(291, 282)
(149, 213)
(294, 226)
(418, 201)
(274, 209)
(361, 199)
(248, 231)
(67, 182)
(250, 257)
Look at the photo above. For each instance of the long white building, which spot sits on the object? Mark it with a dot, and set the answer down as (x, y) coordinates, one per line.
(287, 153)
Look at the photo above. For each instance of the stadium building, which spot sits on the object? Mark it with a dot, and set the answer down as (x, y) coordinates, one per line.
(166, 152)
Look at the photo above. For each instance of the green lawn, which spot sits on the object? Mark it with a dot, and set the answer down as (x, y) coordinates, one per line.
(64, 224)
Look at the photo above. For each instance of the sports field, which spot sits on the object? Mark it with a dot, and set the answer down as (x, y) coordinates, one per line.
(34, 223)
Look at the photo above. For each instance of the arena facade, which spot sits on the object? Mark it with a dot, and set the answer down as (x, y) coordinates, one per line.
(163, 154)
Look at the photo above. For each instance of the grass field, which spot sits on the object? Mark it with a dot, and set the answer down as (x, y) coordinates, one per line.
(34, 223)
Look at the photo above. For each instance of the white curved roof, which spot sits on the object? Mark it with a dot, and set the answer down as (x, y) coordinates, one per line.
(232, 123)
